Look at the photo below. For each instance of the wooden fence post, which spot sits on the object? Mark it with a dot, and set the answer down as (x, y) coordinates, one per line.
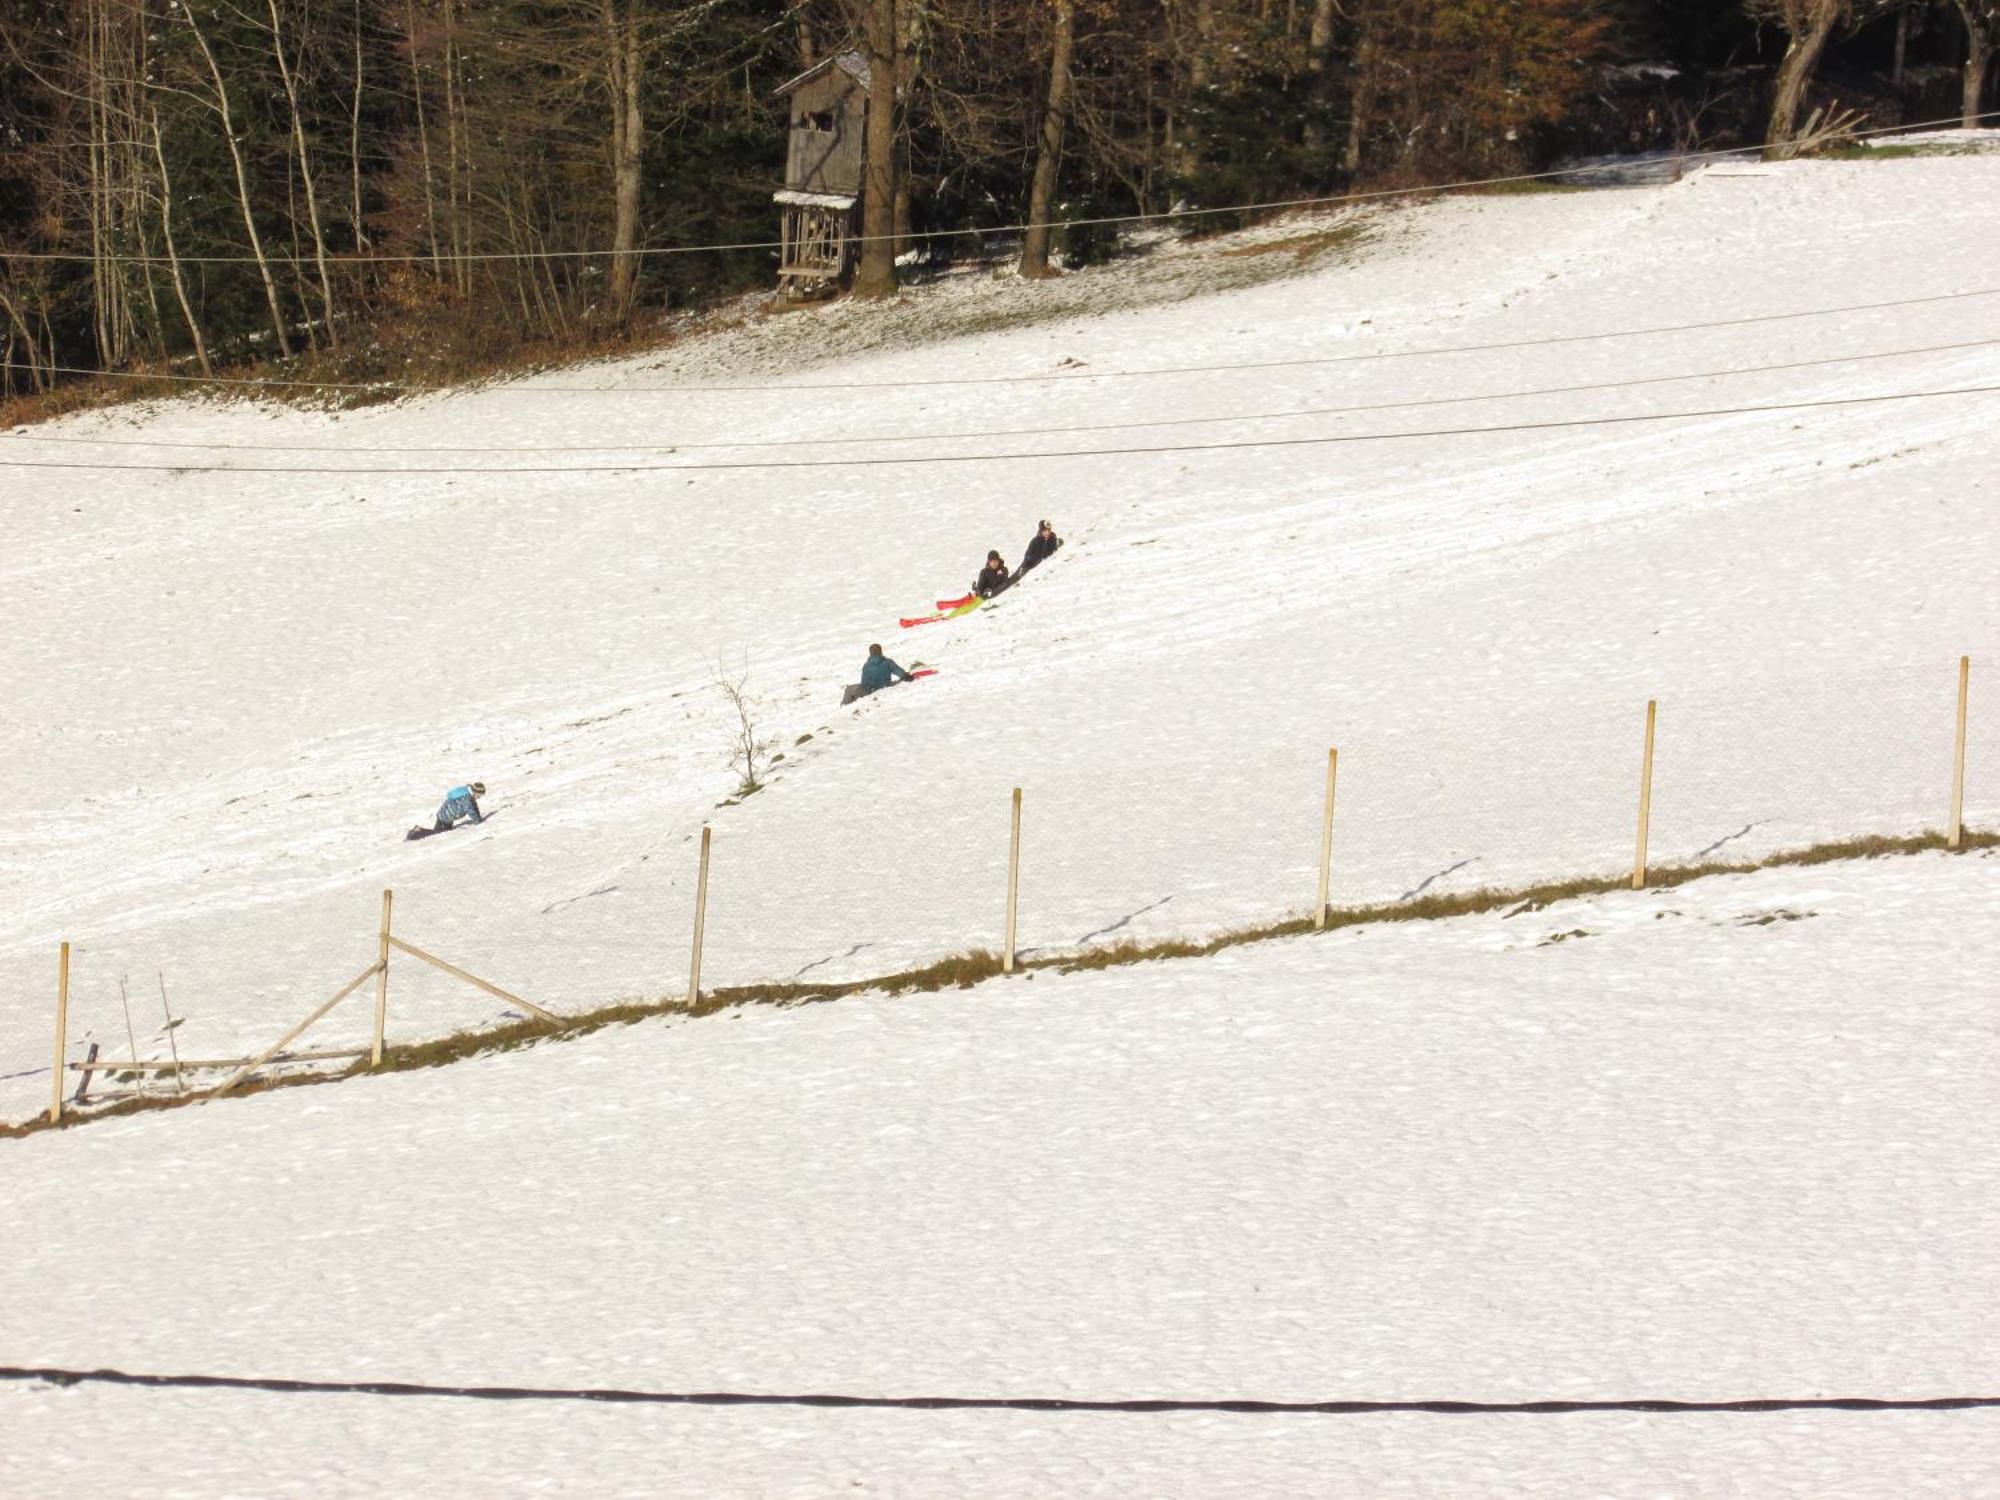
(62, 1034)
(1645, 800)
(700, 921)
(1326, 841)
(381, 982)
(1957, 830)
(1013, 884)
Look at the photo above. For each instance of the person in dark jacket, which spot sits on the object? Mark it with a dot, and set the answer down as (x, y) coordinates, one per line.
(993, 577)
(877, 673)
(1040, 549)
(460, 802)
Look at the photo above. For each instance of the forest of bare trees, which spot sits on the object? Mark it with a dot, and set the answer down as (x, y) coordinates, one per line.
(386, 187)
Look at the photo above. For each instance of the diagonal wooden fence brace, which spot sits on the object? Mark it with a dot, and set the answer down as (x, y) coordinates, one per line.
(473, 979)
(289, 1037)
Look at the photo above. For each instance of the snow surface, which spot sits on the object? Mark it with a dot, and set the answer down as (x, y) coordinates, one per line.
(1729, 1141)
(235, 691)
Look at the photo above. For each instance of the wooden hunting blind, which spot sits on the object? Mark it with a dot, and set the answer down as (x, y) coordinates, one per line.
(824, 162)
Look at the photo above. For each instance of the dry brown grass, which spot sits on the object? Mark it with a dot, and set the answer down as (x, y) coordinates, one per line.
(409, 352)
(1303, 247)
(962, 971)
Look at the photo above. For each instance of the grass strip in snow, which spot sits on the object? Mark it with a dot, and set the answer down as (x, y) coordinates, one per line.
(963, 970)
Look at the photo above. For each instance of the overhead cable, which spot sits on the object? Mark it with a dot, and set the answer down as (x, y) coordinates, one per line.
(998, 432)
(1021, 455)
(1059, 376)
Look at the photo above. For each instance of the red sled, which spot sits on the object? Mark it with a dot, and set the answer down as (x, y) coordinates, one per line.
(949, 609)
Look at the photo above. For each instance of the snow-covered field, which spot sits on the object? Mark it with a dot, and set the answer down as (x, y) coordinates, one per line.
(1727, 1142)
(1682, 1153)
(229, 694)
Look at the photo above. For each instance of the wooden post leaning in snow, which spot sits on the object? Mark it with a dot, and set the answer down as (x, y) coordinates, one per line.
(89, 1069)
(1956, 832)
(475, 981)
(700, 921)
(1326, 842)
(289, 1037)
(1013, 885)
(1645, 800)
(381, 981)
(62, 1034)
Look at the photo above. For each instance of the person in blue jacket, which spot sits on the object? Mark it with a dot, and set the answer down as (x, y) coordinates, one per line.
(876, 673)
(460, 802)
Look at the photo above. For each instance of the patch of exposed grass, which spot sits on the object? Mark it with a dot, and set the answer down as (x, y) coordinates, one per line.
(1860, 151)
(1533, 185)
(1304, 247)
(964, 970)
(401, 358)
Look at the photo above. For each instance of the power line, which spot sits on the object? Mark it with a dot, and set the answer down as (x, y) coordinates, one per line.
(997, 432)
(1269, 206)
(970, 458)
(1152, 1406)
(1544, 341)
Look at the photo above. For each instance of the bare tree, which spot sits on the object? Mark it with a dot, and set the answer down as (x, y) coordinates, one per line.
(1048, 150)
(1808, 25)
(1319, 52)
(220, 104)
(285, 72)
(1982, 36)
(354, 135)
(624, 59)
(876, 275)
(749, 754)
(1366, 74)
(173, 255)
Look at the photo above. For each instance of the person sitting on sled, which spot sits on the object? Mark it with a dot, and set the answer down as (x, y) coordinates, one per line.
(993, 577)
(460, 802)
(1040, 549)
(877, 673)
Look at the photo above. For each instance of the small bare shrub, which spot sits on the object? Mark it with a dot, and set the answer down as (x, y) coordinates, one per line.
(749, 754)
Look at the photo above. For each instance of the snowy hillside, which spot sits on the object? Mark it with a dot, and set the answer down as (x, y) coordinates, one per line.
(1718, 1143)
(1725, 1143)
(237, 690)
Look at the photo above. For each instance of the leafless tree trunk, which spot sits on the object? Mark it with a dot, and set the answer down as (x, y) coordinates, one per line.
(305, 172)
(1048, 152)
(1361, 95)
(108, 196)
(173, 255)
(1808, 24)
(33, 348)
(1982, 33)
(624, 75)
(423, 140)
(1200, 76)
(455, 154)
(354, 134)
(876, 275)
(1319, 52)
(221, 107)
